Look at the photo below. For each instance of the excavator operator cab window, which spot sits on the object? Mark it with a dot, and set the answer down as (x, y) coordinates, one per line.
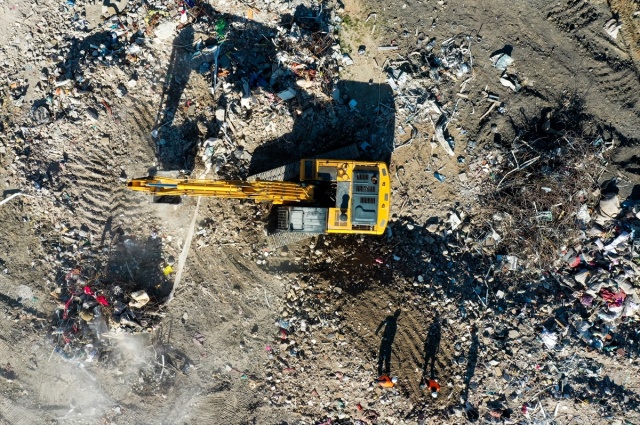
(328, 173)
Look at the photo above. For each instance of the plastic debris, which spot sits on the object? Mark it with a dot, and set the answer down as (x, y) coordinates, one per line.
(550, 339)
(140, 299)
(501, 61)
(287, 94)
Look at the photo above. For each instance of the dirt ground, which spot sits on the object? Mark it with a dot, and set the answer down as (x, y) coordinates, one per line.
(214, 355)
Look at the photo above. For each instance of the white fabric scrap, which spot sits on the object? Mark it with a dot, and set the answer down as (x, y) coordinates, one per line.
(622, 237)
(550, 339)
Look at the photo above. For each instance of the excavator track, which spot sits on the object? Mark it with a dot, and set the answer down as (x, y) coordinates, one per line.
(291, 171)
(285, 173)
(280, 239)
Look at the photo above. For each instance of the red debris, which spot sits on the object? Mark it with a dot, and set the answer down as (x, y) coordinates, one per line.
(283, 334)
(102, 300)
(576, 262)
(66, 308)
(613, 298)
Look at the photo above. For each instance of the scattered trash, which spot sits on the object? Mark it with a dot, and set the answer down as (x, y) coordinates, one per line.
(440, 135)
(608, 208)
(346, 59)
(41, 115)
(454, 220)
(199, 339)
(550, 339)
(510, 262)
(612, 27)
(140, 299)
(501, 61)
(582, 289)
(287, 94)
(510, 81)
(92, 114)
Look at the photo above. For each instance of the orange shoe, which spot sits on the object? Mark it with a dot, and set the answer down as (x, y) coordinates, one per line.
(385, 382)
(434, 387)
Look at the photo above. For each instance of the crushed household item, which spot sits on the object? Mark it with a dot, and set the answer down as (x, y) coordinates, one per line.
(550, 339)
(287, 94)
(612, 27)
(501, 61)
(608, 208)
(140, 299)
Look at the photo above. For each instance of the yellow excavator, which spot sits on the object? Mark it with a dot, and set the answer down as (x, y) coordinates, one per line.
(330, 196)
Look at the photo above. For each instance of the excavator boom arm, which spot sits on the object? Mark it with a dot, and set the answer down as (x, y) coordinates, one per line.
(260, 191)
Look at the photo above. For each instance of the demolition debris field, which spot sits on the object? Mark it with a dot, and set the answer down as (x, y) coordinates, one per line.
(509, 271)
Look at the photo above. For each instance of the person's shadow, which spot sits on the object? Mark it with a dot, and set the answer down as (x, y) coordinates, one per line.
(390, 325)
(431, 348)
(472, 361)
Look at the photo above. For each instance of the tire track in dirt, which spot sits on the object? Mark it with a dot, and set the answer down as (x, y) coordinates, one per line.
(97, 199)
(621, 85)
(614, 73)
(226, 408)
(96, 167)
(368, 298)
(410, 347)
(16, 414)
(236, 306)
(631, 27)
(573, 15)
(141, 117)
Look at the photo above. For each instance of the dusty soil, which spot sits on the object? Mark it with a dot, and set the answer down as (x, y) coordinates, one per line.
(215, 355)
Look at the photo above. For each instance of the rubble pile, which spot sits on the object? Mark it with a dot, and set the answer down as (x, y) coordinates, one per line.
(520, 335)
(261, 76)
(278, 99)
(100, 301)
(535, 190)
(528, 320)
(424, 84)
(604, 271)
(81, 63)
(88, 317)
